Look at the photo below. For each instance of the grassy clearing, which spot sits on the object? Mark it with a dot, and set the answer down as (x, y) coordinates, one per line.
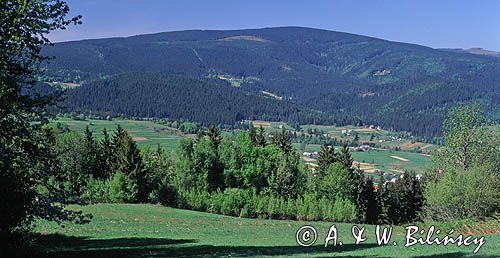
(128, 230)
(384, 160)
(144, 132)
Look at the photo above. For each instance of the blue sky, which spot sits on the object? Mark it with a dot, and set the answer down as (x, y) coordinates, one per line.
(437, 23)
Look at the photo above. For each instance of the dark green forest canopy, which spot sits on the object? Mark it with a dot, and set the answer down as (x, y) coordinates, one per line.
(332, 77)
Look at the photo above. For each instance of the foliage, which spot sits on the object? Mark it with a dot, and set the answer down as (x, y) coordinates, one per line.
(26, 159)
(469, 141)
(288, 180)
(464, 180)
(338, 182)
(327, 156)
(461, 194)
(96, 191)
(122, 189)
(400, 201)
(128, 162)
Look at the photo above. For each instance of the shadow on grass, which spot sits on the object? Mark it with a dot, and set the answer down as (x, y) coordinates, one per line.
(63, 246)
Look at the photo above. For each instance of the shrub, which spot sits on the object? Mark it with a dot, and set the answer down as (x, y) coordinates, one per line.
(344, 210)
(462, 194)
(233, 201)
(96, 191)
(122, 189)
(167, 195)
(195, 200)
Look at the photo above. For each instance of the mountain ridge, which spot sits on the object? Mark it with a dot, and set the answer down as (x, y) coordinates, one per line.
(397, 85)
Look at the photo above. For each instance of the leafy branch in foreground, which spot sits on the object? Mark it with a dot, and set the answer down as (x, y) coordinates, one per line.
(26, 161)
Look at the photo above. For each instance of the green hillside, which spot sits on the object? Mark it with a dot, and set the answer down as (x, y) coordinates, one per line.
(135, 230)
(336, 78)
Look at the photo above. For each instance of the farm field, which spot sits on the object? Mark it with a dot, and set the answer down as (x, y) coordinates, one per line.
(143, 132)
(382, 138)
(137, 230)
(384, 160)
(148, 133)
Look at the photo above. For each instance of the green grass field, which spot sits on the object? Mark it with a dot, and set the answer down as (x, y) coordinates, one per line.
(144, 132)
(132, 230)
(385, 160)
(148, 133)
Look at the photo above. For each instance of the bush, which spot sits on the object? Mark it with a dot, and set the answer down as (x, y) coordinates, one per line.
(167, 195)
(122, 189)
(344, 210)
(233, 201)
(462, 194)
(96, 191)
(194, 200)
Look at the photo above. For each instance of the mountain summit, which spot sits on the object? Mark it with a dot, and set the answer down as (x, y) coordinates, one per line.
(333, 77)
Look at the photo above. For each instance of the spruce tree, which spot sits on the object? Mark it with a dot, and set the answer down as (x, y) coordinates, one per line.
(345, 157)
(119, 135)
(252, 132)
(93, 164)
(282, 140)
(129, 162)
(327, 156)
(214, 135)
(200, 135)
(107, 155)
(261, 137)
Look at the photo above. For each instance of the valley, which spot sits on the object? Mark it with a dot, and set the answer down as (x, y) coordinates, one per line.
(378, 152)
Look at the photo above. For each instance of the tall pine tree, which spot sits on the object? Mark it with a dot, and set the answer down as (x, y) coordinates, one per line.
(129, 162)
(282, 140)
(327, 156)
(93, 164)
(107, 154)
(252, 132)
(261, 137)
(345, 158)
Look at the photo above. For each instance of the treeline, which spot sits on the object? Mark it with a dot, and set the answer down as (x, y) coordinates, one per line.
(255, 175)
(243, 174)
(252, 174)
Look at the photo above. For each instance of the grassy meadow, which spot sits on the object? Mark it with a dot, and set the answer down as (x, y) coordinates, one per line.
(148, 133)
(384, 159)
(145, 133)
(137, 230)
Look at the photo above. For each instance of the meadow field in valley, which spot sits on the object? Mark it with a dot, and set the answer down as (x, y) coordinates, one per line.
(140, 230)
(383, 159)
(145, 133)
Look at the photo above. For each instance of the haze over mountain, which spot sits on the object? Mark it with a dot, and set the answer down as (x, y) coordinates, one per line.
(300, 75)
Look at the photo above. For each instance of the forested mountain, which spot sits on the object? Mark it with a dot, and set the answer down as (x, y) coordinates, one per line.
(332, 77)
(178, 97)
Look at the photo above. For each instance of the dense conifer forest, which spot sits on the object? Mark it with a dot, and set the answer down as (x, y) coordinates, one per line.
(309, 75)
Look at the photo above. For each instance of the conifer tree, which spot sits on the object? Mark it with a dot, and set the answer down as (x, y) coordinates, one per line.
(107, 155)
(200, 135)
(282, 140)
(119, 135)
(261, 137)
(345, 157)
(129, 162)
(327, 156)
(93, 166)
(252, 132)
(214, 135)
